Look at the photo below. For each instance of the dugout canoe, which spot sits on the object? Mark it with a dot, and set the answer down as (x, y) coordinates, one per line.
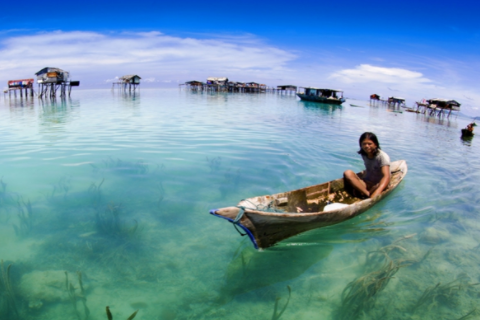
(271, 218)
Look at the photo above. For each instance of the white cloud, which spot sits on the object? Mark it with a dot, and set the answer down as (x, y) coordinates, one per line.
(149, 80)
(92, 57)
(368, 73)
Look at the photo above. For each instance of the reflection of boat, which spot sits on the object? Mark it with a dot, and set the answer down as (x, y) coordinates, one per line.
(272, 218)
(250, 270)
(329, 96)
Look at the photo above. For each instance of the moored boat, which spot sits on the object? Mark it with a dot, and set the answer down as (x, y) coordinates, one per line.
(271, 218)
(329, 96)
(467, 133)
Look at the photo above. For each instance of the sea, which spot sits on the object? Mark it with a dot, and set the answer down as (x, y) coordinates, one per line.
(105, 199)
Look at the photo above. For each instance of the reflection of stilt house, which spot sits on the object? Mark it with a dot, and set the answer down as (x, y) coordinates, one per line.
(438, 107)
(20, 86)
(287, 89)
(49, 80)
(129, 81)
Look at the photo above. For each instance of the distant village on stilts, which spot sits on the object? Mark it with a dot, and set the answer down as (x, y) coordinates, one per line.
(53, 82)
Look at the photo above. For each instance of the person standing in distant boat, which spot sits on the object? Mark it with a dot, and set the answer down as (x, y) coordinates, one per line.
(376, 177)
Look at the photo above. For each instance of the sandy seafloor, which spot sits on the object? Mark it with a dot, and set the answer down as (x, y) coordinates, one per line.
(118, 187)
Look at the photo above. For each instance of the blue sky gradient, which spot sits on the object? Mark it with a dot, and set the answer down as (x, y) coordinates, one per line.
(414, 49)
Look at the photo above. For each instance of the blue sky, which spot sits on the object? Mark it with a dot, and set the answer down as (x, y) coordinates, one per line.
(414, 49)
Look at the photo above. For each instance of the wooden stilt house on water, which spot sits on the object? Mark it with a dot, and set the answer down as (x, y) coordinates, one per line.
(129, 81)
(49, 80)
(20, 86)
(438, 107)
(195, 85)
(396, 101)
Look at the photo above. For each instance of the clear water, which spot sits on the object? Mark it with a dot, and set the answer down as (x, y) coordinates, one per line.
(118, 187)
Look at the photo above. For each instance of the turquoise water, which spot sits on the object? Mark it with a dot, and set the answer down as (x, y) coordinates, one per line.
(118, 187)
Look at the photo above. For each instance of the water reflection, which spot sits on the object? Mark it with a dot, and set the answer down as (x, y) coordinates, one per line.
(55, 113)
(27, 102)
(321, 108)
(437, 120)
(466, 140)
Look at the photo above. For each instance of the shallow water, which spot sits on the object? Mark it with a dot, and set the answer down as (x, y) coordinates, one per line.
(118, 187)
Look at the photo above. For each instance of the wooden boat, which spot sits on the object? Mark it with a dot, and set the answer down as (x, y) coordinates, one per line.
(271, 218)
(467, 133)
(329, 96)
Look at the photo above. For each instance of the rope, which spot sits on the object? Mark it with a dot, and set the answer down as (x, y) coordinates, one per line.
(267, 208)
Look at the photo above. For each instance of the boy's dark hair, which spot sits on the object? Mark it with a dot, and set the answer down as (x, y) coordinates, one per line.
(369, 136)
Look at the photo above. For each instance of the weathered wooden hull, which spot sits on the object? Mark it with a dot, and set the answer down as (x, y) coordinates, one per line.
(320, 99)
(267, 228)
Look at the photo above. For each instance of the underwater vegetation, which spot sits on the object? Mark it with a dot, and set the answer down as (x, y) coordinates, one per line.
(214, 163)
(8, 304)
(95, 192)
(231, 183)
(443, 294)
(122, 166)
(360, 295)
(276, 315)
(110, 317)
(7, 199)
(74, 297)
(25, 216)
(108, 222)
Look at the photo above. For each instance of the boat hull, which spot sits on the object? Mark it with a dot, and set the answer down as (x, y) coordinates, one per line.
(267, 228)
(466, 133)
(320, 99)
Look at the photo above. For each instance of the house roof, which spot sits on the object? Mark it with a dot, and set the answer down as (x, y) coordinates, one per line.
(217, 79)
(446, 101)
(130, 76)
(322, 89)
(48, 69)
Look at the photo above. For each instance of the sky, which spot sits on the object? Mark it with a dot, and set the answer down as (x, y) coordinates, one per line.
(411, 49)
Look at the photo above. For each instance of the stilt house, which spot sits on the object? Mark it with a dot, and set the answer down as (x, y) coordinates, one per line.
(51, 79)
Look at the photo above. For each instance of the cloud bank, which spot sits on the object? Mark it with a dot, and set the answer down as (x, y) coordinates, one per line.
(98, 57)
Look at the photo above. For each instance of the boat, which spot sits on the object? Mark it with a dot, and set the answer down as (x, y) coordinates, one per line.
(272, 218)
(467, 133)
(329, 96)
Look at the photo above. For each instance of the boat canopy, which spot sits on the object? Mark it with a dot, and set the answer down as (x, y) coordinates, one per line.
(322, 89)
